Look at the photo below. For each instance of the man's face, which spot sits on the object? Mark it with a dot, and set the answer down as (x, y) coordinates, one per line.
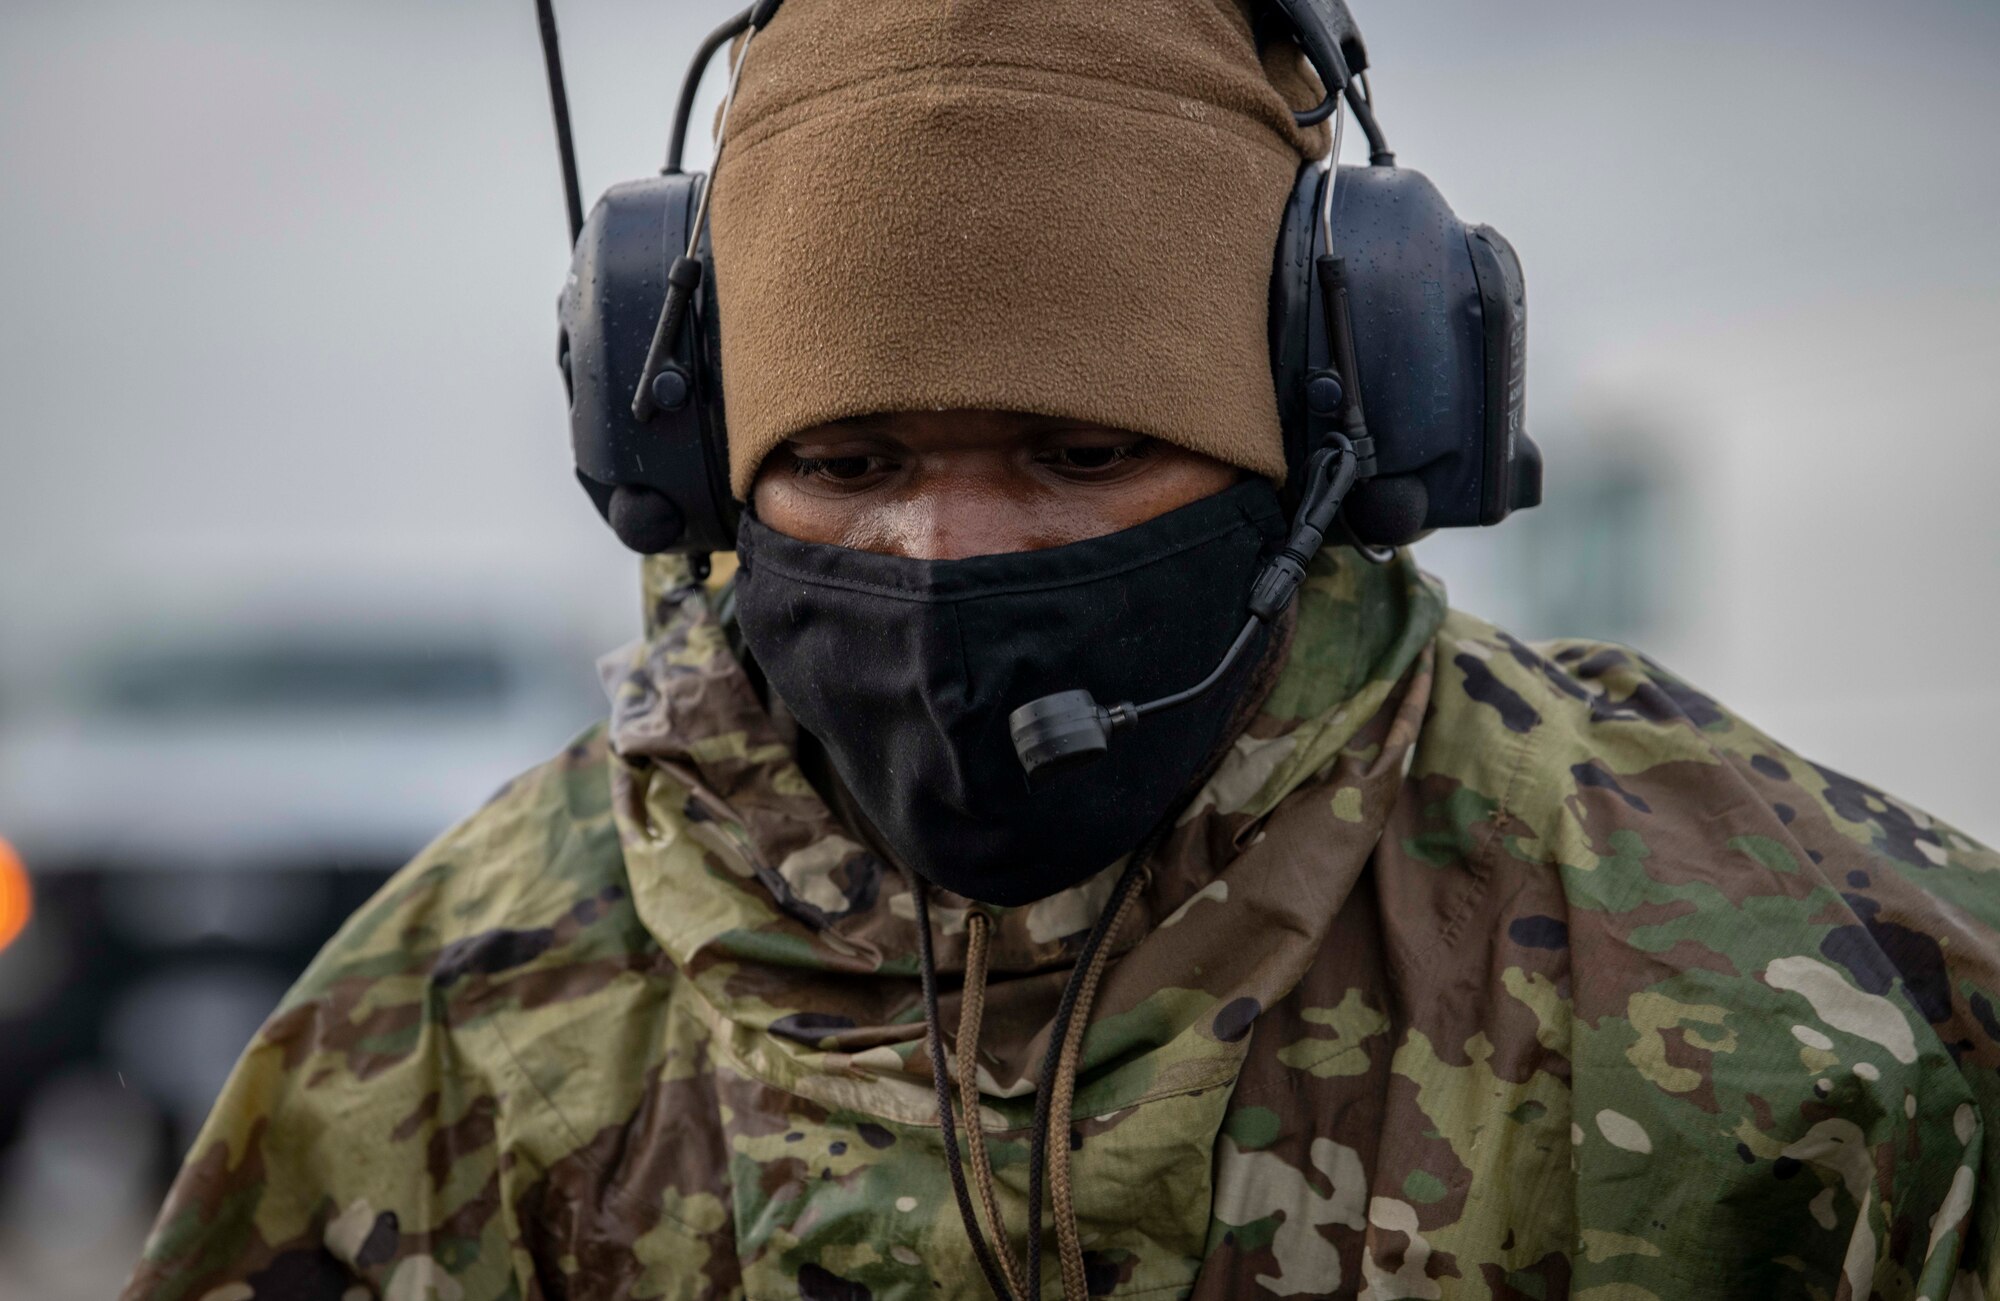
(944, 485)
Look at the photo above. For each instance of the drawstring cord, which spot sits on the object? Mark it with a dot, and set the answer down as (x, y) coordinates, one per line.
(1048, 1145)
(927, 966)
(1069, 1246)
(1041, 1136)
(979, 928)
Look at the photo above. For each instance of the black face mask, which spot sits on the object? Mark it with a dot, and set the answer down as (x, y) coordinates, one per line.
(906, 670)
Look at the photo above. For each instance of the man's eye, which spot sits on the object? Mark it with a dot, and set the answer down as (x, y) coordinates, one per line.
(1089, 458)
(841, 469)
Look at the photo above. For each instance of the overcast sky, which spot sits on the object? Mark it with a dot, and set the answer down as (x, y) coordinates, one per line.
(280, 276)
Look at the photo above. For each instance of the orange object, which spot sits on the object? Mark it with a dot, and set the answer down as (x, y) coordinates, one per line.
(17, 900)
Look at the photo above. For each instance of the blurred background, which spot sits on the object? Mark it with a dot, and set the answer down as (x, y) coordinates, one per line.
(293, 572)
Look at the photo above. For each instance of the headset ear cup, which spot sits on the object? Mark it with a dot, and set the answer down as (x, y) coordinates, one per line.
(1387, 512)
(1292, 310)
(708, 394)
(661, 481)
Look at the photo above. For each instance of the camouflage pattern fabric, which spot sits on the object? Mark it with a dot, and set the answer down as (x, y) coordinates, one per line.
(1478, 969)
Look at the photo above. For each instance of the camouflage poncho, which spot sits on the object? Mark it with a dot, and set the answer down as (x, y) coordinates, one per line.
(1477, 970)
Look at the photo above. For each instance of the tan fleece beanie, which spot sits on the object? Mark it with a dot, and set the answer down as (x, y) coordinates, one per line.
(1045, 206)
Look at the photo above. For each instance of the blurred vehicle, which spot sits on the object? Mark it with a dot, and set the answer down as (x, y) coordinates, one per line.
(276, 748)
(199, 804)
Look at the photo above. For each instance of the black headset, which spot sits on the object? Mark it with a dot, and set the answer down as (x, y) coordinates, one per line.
(1377, 289)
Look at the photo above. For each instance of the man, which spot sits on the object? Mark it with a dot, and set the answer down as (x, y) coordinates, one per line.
(1413, 961)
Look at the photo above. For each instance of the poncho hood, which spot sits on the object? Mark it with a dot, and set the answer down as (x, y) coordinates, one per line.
(804, 945)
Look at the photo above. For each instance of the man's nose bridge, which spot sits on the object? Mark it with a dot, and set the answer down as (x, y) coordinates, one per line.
(953, 521)
(952, 530)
